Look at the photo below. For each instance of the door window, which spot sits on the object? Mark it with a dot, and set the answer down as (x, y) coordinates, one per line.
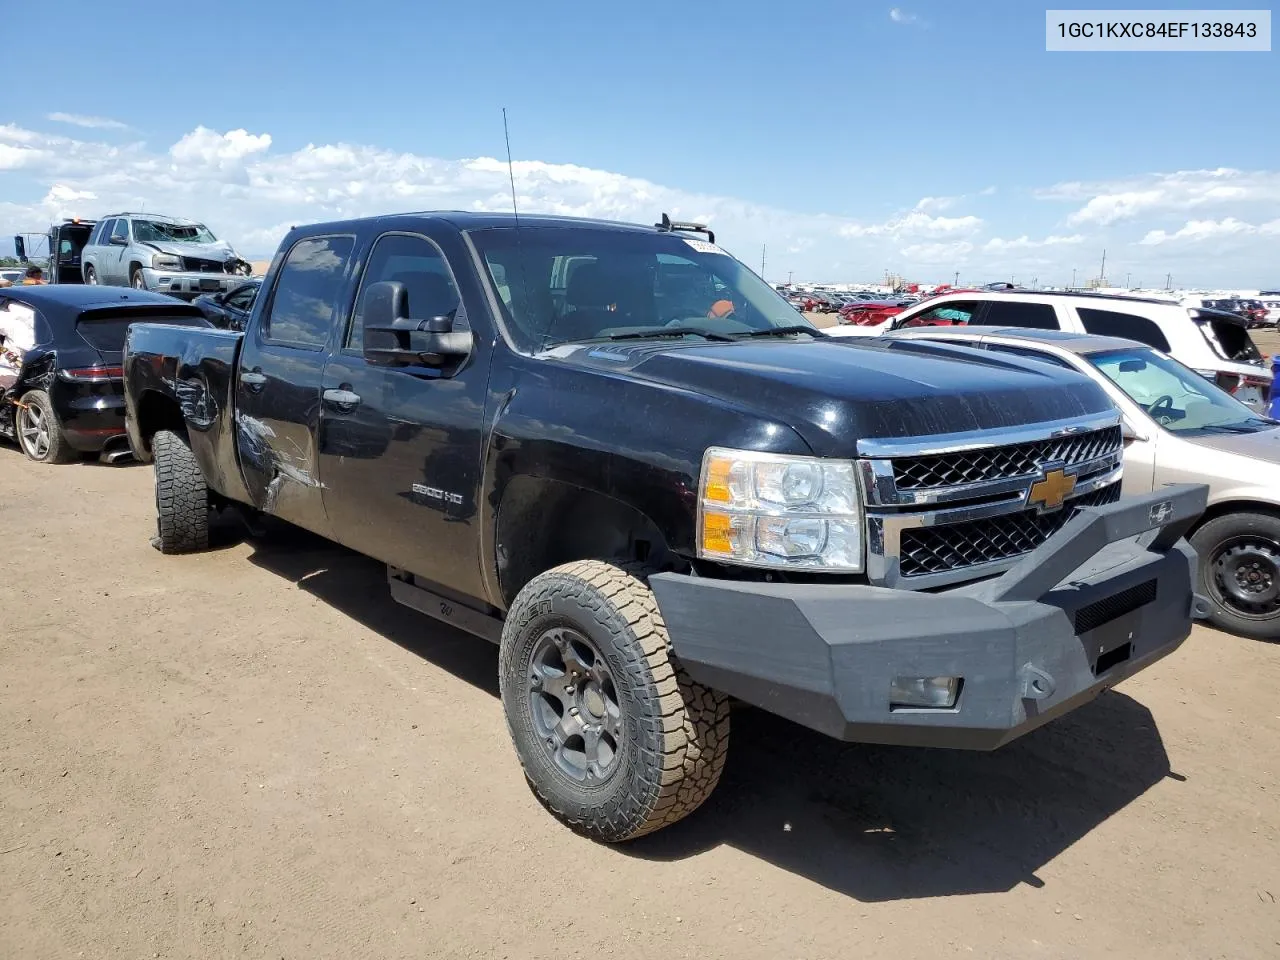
(1113, 323)
(302, 306)
(418, 264)
(96, 234)
(1011, 313)
(241, 299)
(121, 229)
(104, 233)
(953, 314)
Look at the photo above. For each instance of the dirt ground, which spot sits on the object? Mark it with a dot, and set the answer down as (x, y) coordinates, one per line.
(254, 752)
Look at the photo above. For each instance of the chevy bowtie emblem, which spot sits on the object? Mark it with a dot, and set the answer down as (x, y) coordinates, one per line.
(1050, 492)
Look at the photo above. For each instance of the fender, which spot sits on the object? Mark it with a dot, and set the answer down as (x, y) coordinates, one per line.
(193, 372)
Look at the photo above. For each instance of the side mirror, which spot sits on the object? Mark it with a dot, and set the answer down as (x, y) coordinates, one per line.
(1130, 433)
(119, 241)
(393, 339)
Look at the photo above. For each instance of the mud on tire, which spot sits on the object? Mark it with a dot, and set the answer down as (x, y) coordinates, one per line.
(182, 498)
(673, 733)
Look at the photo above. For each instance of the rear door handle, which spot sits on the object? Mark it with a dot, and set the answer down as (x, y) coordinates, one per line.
(341, 398)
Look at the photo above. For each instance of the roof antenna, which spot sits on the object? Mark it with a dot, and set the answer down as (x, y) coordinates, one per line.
(515, 211)
(511, 170)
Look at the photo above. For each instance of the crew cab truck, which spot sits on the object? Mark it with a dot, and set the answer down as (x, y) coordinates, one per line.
(617, 453)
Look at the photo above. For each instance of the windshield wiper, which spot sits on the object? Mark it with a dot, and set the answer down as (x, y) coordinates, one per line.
(783, 331)
(667, 332)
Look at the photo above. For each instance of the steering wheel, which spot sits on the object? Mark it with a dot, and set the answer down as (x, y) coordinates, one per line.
(1161, 409)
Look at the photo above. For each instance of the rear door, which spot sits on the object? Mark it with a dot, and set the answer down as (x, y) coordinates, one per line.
(282, 363)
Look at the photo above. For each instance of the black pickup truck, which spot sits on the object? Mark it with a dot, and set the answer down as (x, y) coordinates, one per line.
(617, 453)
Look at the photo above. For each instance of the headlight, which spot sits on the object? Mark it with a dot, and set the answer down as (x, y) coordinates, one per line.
(166, 261)
(782, 512)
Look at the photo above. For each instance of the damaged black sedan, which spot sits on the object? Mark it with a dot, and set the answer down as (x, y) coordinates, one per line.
(61, 386)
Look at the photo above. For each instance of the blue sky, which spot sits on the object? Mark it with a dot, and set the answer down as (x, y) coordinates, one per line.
(850, 140)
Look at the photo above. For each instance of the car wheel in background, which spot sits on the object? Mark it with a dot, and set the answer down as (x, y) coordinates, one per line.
(90, 275)
(1239, 571)
(136, 281)
(39, 433)
(616, 741)
(182, 497)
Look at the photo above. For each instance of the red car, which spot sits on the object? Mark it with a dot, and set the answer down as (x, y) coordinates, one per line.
(870, 313)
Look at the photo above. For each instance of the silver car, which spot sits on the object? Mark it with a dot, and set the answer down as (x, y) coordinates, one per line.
(1179, 428)
(163, 254)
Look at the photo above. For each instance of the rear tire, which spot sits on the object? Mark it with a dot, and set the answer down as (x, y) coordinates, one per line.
(629, 743)
(182, 497)
(1239, 571)
(40, 434)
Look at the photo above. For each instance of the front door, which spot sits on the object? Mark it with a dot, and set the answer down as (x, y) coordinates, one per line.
(278, 388)
(111, 262)
(400, 446)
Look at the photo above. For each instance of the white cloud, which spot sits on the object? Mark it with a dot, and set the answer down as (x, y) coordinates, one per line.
(917, 223)
(898, 15)
(1195, 231)
(251, 192)
(92, 123)
(997, 245)
(1110, 202)
(205, 146)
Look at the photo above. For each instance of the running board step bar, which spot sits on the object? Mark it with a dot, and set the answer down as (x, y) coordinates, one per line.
(404, 590)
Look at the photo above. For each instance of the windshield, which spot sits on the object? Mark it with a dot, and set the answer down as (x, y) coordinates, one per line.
(1179, 399)
(155, 231)
(559, 284)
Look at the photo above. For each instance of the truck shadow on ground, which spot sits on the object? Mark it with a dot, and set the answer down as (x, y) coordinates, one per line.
(874, 823)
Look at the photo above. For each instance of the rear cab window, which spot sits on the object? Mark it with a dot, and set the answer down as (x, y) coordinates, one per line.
(306, 291)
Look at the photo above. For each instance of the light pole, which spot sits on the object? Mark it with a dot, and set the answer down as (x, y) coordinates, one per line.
(1073, 278)
(789, 273)
(957, 279)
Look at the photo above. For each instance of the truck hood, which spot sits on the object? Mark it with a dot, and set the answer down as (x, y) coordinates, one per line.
(834, 393)
(218, 250)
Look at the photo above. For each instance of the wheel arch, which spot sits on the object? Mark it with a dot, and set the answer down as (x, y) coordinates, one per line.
(543, 523)
(156, 411)
(1223, 508)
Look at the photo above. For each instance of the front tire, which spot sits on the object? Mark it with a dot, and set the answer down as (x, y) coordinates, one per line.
(1239, 571)
(90, 275)
(136, 280)
(40, 433)
(615, 739)
(182, 497)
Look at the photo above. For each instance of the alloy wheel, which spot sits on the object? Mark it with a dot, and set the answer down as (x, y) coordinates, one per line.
(575, 705)
(33, 431)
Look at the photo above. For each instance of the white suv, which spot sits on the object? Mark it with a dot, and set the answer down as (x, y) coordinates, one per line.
(1214, 343)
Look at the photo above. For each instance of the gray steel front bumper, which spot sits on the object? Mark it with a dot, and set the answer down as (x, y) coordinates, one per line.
(1105, 597)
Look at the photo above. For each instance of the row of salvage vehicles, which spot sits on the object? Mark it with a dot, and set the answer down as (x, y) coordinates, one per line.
(615, 452)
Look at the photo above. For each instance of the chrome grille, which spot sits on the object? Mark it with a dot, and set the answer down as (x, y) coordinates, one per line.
(941, 549)
(1000, 463)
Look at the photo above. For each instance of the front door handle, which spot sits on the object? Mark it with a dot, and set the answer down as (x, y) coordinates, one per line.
(253, 379)
(341, 398)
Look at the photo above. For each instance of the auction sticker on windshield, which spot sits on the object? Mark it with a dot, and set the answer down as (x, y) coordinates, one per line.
(702, 246)
(1117, 31)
